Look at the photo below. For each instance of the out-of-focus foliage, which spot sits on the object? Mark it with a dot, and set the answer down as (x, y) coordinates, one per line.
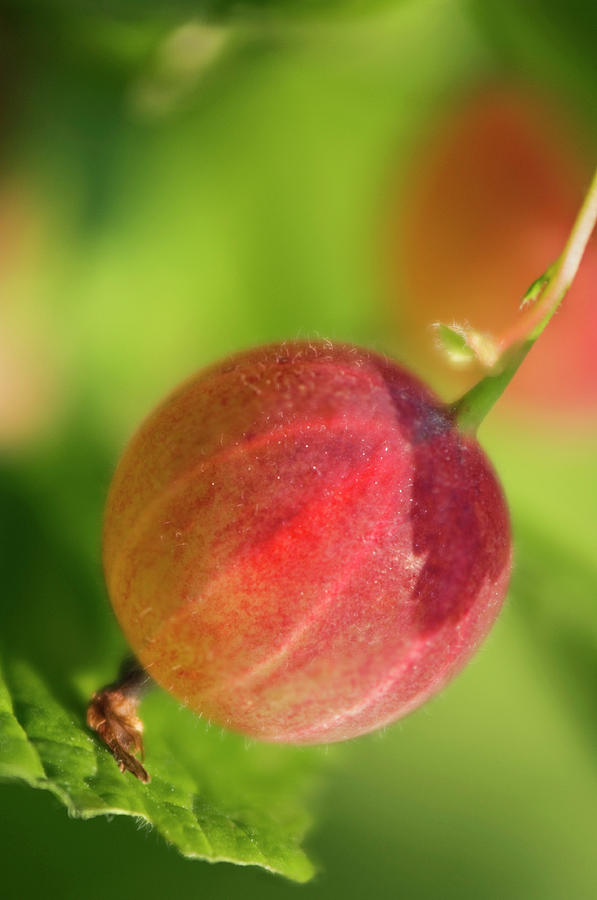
(186, 190)
(173, 11)
(548, 42)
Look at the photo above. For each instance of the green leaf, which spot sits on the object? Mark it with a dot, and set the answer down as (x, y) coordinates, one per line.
(213, 795)
(18, 758)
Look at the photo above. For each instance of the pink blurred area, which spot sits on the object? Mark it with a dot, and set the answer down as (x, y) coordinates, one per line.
(490, 198)
(28, 367)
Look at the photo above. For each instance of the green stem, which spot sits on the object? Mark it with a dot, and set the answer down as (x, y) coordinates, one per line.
(470, 410)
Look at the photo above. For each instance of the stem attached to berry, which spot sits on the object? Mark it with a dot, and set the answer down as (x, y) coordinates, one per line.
(112, 713)
(470, 410)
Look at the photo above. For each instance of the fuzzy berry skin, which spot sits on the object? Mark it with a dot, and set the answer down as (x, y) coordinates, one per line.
(301, 546)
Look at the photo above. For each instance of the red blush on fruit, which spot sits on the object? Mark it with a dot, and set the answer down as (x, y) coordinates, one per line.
(301, 546)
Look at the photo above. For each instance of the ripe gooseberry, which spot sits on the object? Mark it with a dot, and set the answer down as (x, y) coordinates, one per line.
(302, 546)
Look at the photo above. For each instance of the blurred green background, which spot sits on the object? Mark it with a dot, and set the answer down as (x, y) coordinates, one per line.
(181, 181)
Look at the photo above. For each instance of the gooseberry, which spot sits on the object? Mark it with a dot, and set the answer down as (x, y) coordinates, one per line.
(489, 201)
(302, 546)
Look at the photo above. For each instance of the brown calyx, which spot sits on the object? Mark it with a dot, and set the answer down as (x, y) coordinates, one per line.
(112, 714)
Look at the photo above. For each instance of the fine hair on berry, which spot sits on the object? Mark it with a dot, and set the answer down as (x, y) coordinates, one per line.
(301, 545)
